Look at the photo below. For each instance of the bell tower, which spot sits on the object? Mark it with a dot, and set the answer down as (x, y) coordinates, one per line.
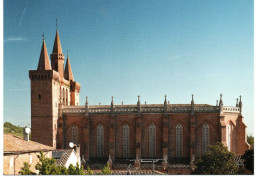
(44, 100)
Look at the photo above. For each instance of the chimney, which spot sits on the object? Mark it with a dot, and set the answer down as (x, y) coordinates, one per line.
(26, 133)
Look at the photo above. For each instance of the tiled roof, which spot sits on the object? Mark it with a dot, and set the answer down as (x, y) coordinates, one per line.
(62, 156)
(14, 144)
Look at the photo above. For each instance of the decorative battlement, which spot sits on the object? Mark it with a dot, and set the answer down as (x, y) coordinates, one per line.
(153, 108)
(145, 108)
(231, 109)
(73, 109)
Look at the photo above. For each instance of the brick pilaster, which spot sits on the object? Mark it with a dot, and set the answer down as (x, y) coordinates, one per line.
(86, 138)
(112, 137)
(165, 136)
(138, 136)
(223, 130)
(192, 137)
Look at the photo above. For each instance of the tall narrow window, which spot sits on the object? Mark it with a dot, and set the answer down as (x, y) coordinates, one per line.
(100, 141)
(229, 137)
(152, 140)
(75, 134)
(178, 140)
(205, 138)
(126, 141)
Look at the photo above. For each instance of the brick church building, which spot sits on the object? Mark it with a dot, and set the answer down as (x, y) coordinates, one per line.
(174, 134)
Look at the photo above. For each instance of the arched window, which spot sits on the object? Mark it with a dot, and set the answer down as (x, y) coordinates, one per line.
(75, 134)
(229, 126)
(205, 138)
(100, 141)
(125, 141)
(179, 140)
(152, 140)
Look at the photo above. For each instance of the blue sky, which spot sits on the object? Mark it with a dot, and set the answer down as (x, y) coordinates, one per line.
(125, 48)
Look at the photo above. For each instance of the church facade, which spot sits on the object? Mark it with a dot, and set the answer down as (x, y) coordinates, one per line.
(176, 134)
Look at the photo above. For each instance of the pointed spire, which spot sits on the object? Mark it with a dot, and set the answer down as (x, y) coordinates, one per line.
(165, 105)
(87, 100)
(220, 100)
(57, 45)
(165, 100)
(237, 104)
(68, 71)
(221, 104)
(86, 107)
(240, 104)
(192, 105)
(44, 61)
(217, 103)
(112, 102)
(138, 106)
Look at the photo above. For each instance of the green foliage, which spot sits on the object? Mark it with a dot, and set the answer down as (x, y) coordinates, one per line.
(88, 171)
(217, 161)
(47, 166)
(16, 130)
(106, 170)
(250, 140)
(249, 160)
(72, 170)
(25, 170)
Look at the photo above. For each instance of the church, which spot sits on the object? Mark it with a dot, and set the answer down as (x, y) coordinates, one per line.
(170, 135)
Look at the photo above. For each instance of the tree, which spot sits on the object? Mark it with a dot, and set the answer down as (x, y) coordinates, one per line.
(47, 166)
(72, 170)
(249, 160)
(89, 172)
(250, 140)
(25, 170)
(106, 170)
(217, 160)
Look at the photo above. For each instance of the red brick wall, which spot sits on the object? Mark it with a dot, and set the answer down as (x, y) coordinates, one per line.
(212, 119)
(121, 120)
(88, 126)
(174, 120)
(146, 121)
(97, 119)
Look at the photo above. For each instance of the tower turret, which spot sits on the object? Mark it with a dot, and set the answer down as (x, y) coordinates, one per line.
(44, 61)
(44, 101)
(57, 57)
(68, 75)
